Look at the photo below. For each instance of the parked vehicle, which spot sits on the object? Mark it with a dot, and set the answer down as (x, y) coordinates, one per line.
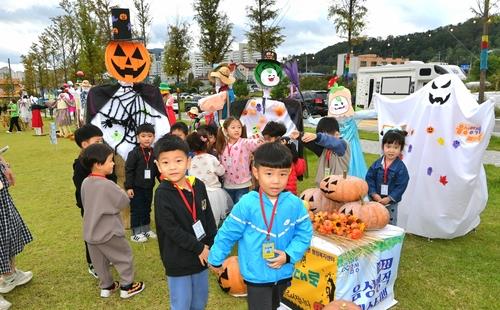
(398, 81)
(315, 102)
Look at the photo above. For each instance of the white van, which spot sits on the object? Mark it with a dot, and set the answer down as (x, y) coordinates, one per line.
(398, 81)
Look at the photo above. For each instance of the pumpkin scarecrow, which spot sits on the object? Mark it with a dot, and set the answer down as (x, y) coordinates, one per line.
(168, 99)
(119, 108)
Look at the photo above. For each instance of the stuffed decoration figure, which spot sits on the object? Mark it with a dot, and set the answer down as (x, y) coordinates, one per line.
(63, 120)
(84, 92)
(168, 100)
(118, 109)
(448, 133)
(221, 101)
(259, 111)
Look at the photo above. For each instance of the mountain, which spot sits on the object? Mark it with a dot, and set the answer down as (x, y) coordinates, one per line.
(454, 44)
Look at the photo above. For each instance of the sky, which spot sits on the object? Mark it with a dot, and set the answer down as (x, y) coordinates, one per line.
(305, 22)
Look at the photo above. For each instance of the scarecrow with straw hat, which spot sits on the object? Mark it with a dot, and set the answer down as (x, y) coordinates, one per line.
(168, 100)
(223, 80)
(84, 92)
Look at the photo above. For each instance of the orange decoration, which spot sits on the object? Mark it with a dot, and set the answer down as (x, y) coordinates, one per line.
(372, 213)
(430, 129)
(127, 61)
(343, 188)
(230, 280)
(279, 110)
(317, 200)
(340, 224)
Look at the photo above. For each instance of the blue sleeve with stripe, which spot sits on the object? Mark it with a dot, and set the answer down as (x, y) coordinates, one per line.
(302, 237)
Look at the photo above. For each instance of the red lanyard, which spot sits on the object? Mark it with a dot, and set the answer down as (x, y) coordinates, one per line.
(270, 225)
(328, 155)
(386, 168)
(146, 158)
(229, 147)
(191, 209)
(97, 175)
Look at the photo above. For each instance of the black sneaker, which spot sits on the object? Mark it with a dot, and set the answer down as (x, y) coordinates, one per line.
(106, 292)
(131, 289)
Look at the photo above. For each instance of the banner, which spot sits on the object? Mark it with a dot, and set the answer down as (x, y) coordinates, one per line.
(313, 283)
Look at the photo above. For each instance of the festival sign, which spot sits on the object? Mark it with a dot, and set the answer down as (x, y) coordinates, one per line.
(363, 274)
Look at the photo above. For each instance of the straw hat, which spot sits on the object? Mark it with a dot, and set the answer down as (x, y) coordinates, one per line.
(223, 73)
(85, 83)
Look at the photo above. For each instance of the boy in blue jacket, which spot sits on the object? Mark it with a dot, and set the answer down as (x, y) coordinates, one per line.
(272, 228)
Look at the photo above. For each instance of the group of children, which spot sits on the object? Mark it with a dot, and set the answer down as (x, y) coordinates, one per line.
(202, 174)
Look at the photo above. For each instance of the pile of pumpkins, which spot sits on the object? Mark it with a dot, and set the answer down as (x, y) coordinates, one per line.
(344, 194)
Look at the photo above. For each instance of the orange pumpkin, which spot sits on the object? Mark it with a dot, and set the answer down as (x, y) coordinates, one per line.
(127, 61)
(343, 188)
(342, 305)
(373, 214)
(317, 201)
(230, 280)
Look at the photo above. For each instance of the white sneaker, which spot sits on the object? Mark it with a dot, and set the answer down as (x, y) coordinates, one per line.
(140, 238)
(132, 289)
(20, 278)
(106, 292)
(150, 234)
(4, 304)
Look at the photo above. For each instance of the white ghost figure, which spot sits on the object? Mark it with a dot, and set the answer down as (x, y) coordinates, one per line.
(448, 132)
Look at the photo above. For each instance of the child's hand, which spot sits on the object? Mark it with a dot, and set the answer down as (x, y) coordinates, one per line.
(130, 193)
(385, 201)
(295, 134)
(278, 261)
(216, 270)
(308, 137)
(203, 257)
(376, 197)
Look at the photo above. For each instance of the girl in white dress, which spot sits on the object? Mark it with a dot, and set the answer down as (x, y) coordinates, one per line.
(207, 168)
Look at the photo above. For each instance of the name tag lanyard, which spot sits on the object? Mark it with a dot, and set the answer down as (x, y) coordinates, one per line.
(270, 225)
(386, 169)
(191, 209)
(146, 158)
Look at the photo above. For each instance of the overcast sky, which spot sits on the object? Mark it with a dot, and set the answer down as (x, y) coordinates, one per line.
(305, 22)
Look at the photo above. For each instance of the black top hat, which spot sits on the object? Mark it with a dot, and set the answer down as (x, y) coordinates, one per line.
(270, 56)
(122, 28)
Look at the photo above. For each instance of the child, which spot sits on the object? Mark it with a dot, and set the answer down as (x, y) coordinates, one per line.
(334, 153)
(185, 225)
(14, 116)
(274, 131)
(86, 135)
(272, 228)
(140, 173)
(102, 224)
(211, 132)
(234, 154)
(207, 168)
(14, 235)
(180, 130)
(388, 177)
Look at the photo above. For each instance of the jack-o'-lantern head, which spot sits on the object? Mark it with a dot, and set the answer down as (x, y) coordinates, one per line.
(127, 61)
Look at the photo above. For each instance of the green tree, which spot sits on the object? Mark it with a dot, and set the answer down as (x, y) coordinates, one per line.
(349, 18)
(29, 73)
(144, 18)
(240, 88)
(176, 61)
(264, 33)
(215, 38)
(157, 81)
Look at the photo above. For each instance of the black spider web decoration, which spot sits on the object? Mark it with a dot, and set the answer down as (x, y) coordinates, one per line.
(133, 113)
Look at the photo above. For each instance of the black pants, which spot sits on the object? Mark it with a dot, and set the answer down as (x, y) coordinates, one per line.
(265, 297)
(140, 207)
(14, 120)
(87, 255)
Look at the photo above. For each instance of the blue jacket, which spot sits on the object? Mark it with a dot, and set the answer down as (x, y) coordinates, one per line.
(291, 232)
(397, 178)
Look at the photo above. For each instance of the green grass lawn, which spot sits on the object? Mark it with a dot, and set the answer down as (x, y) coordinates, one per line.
(441, 274)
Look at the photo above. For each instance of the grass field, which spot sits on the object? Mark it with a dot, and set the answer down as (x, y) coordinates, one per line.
(439, 274)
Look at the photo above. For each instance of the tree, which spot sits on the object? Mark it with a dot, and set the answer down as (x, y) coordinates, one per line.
(176, 61)
(264, 33)
(348, 16)
(216, 38)
(29, 73)
(240, 88)
(143, 18)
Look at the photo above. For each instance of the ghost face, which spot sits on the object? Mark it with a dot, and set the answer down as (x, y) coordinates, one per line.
(439, 94)
(269, 77)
